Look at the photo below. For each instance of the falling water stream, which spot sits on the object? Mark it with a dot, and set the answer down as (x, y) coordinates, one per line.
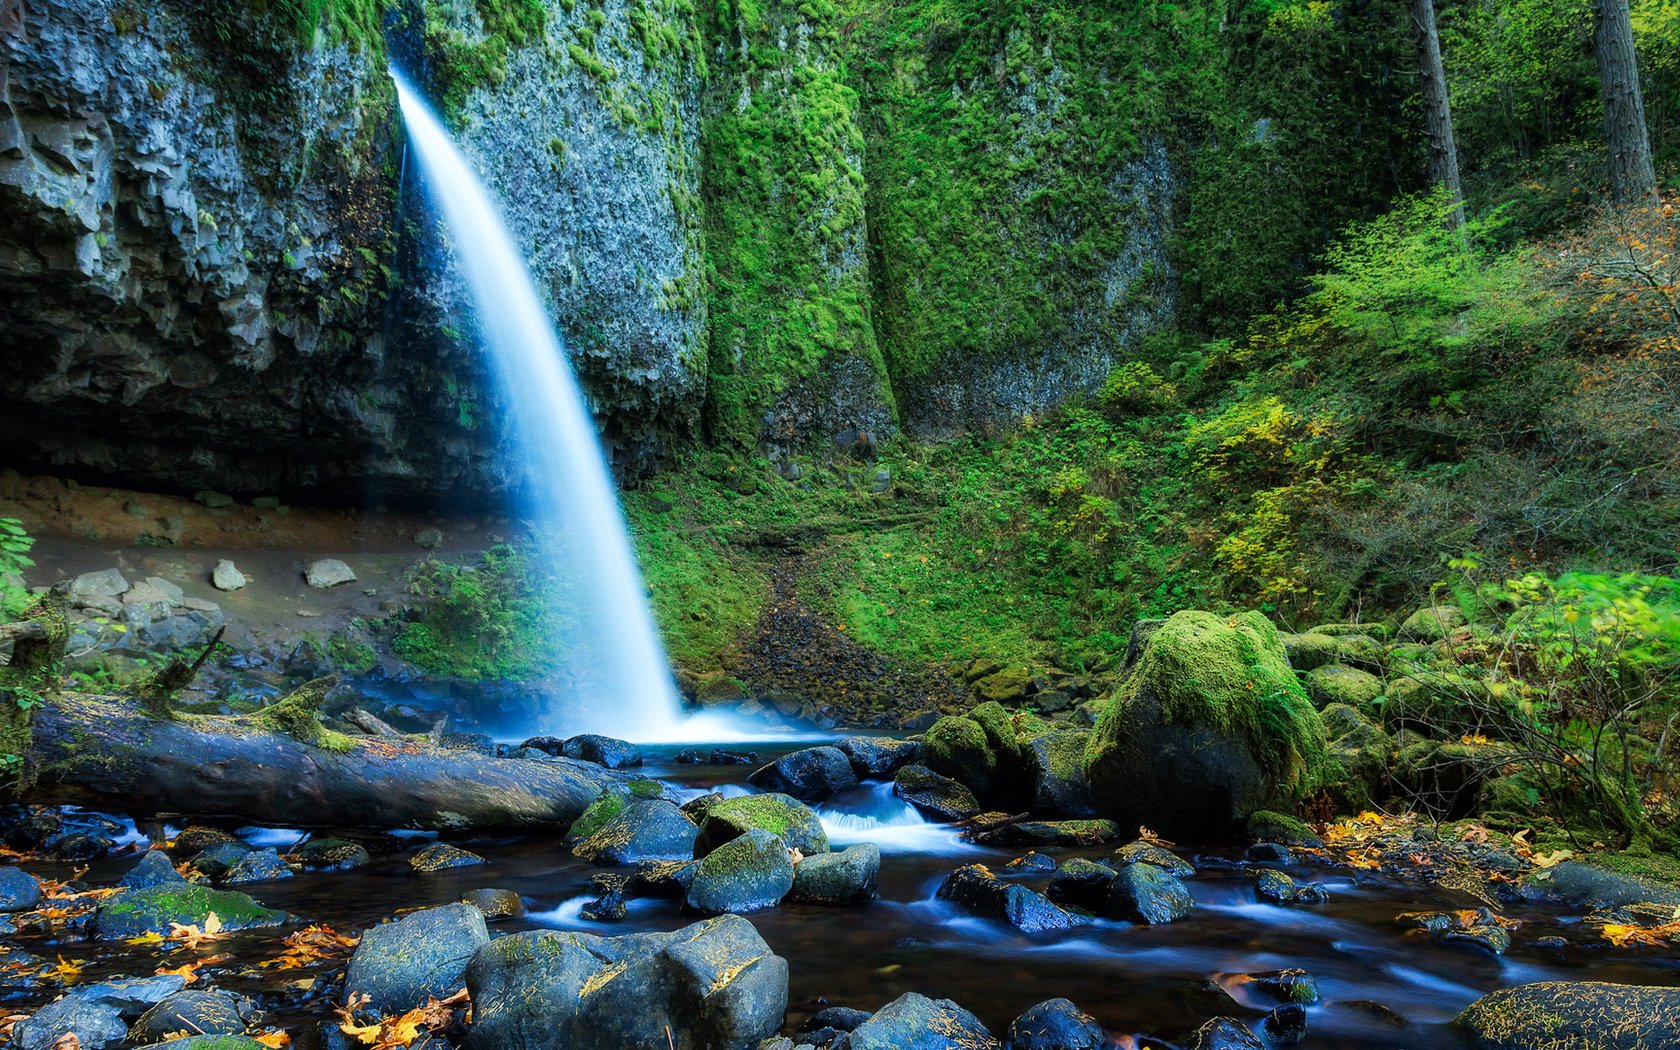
(620, 680)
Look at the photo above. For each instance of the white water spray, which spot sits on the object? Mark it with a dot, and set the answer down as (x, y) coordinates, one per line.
(621, 682)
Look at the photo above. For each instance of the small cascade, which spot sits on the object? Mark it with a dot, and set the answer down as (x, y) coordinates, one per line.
(616, 678)
(873, 813)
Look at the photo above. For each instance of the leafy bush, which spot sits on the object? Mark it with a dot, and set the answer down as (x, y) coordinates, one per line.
(15, 545)
(493, 620)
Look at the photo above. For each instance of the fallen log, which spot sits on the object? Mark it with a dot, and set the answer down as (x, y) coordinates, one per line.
(109, 753)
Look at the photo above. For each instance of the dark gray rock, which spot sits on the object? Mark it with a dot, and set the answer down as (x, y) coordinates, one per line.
(1225, 1033)
(1141, 852)
(1578, 883)
(974, 888)
(258, 866)
(1055, 1024)
(1286, 1025)
(1032, 863)
(915, 1022)
(714, 985)
(496, 904)
(331, 854)
(398, 964)
(935, 796)
(1147, 894)
(153, 869)
(441, 856)
(838, 1018)
(603, 750)
(190, 1010)
(95, 1013)
(216, 860)
(747, 873)
(1291, 985)
(879, 757)
(810, 775)
(782, 815)
(1580, 1015)
(1082, 883)
(837, 878)
(19, 890)
(1275, 887)
(651, 830)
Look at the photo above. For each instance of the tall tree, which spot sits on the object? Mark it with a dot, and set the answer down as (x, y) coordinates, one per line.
(1632, 175)
(1437, 112)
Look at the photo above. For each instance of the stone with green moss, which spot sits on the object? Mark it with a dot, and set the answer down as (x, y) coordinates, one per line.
(155, 909)
(1056, 769)
(1341, 684)
(1011, 685)
(719, 688)
(958, 748)
(781, 815)
(1310, 650)
(1362, 651)
(609, 805)
(1210, 725)
(1356, 772)
(1443, 777)
(1266, 825)
(1378, 631)
(747, 873)
(1577, 1015)
(1432, 624)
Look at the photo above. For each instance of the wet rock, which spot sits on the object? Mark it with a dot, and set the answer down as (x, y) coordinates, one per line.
(153, 869)
(1182, 746)
(331, 854)
(714, 985)
(94, 1014)
(1080, 882)
(258, 866)
(879, 757)
(1050, 833)
(724, 757)
(155, 909)
(19, 890)
(1271, 853)
(29, 829)
(650, 830)
(190, 1010)
(548, 745)
(219, 859)
(915, 1022)
(935, 796)
(810, 775)
(1489, 936)
(1580, 1015)
(1587, 885)
(603, 750)
(1274, 887)
(398, 964)
(79, 845)
(1287, 1025)
(1268, 826)
(1291, 985)
(1147, 894)
(689, 756)
(1030, 863)
(227, 577)
(837, 878)
(1225, 1033)
(664, 878)
(786, 817)
(838, 1018)
(974, 888)
(496, 904)
(244, 1042)
(747, 873)
(609, 905)
(1055, 1024)
(441, 856)
(1142, 852)
(957, 747)
(1055, 768)
(328, 572)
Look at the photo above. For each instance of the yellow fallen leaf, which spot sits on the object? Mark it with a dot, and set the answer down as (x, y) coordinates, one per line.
(149, 937)
(274, 1039)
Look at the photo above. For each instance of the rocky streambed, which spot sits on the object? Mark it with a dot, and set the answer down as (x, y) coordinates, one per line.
(862, 923)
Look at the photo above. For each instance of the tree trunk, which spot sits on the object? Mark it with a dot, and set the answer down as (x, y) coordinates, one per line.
(110, 754)
(1632, 176)
(1437, 111)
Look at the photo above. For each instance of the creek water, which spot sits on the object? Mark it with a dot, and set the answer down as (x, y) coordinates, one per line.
(1383, 988)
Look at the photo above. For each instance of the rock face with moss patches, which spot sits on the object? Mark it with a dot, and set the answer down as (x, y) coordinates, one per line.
(781, 815)
(1580, 1015)
(1208, 726)
(153, 910)
(400, 963)
(714, 985)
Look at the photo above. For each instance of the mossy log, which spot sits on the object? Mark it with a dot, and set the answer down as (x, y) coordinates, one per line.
(109, 753)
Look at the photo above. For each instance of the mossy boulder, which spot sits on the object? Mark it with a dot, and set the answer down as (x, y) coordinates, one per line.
(1380, 632)
(650, 830)
(399, 964)
(609, 805)
(1362, 651)
(1432, 624)
(1056, 773)
(1146, 894)
(784, 816)
(1209, 726)
(1012, 685)
(812, 774)
(1579, 1015)
(957, 747)
(1309, 651)
(155, 909)
(718, 688)
(1341, 684)
(935, 797)
(838, 878)
(747, 873)
(1270, 826)
(1436, 702)
(1356, 773)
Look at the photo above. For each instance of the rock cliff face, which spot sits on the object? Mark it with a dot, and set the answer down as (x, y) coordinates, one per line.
(217, 272)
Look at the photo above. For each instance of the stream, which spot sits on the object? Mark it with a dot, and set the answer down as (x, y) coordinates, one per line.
(1382, 986)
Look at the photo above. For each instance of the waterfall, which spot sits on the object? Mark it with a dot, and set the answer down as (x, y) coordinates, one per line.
(618, 679)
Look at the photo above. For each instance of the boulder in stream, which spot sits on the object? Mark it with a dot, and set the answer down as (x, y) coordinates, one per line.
(747, 873)
(650, 830)
(1147, 894)
(714, 985)
(1225, 1033)
(602, 750)
(811, 774)
(206, 1012)
(782, 815)
(441, 856)
(93, 1014)
(879, 757)
(934, 795)
(974, 888)
(398, 964)
(258, 866)
(838, 878)
(153, 869)
(915, 1022)
(1580, 1015)
(19, 890)
(155, 909)
(1055, 1024)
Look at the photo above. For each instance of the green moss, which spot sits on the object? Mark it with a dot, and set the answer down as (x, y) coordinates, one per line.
(297, 715)
(138, 911)
(959, 748)
(1267, 825)
(781, 815)
(593, 819)
(1340, 684)
(463, 60)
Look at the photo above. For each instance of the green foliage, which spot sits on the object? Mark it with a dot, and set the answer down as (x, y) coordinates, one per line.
(493, 620)
(466, 59)
(15, 545)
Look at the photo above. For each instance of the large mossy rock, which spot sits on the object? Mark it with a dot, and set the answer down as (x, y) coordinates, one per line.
(399, 964)
(1577, 1015)
(781, 815)
(1341, 684)
(1210, 725)
(1356, 773)
(838, 878)
(934, 796)
(651, 830)
(1056, 771)
(956, 747)
(155, 909)
(714, 985)
(749, 872)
